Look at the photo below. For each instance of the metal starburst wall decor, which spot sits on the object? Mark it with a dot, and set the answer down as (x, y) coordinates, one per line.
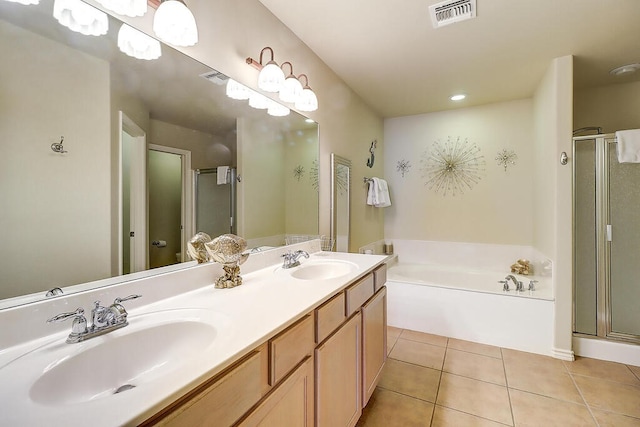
(298, 172)
(403, 166)
(506, 158)
(313, 175)
(452, 167)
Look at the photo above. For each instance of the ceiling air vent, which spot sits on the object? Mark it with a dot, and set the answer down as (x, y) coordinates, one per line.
(216, 77)
(448, 12)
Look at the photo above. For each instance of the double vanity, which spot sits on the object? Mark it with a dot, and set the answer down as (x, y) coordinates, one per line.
(297, 346)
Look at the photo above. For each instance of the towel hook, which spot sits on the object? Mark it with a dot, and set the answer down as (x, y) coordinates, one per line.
(57, 147)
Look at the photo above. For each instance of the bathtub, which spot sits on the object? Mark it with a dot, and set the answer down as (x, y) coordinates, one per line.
(467, 302)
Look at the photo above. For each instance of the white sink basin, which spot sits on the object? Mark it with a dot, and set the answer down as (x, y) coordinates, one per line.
(150, 347)
(322, 270)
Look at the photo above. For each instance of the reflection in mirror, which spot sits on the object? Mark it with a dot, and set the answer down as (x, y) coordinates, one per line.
(340, 216)
(79, 214)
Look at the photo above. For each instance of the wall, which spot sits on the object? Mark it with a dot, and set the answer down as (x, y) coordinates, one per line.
(232, 30)
(553, 191)
(79, 179)
(497, 210)
(613, 107)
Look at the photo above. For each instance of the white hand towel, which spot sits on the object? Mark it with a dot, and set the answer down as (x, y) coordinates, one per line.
(628, 146)
(384, 199)
(372, 194)
(222, 174)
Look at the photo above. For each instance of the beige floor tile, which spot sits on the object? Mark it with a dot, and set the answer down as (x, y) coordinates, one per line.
(425, 338)
(535, 411)
(609, 419)
(558, 385)
(422, 354)
(602, 369)
(475, 366)
(445, 417)
(393, 332)
(475, 397)
(609, 395)
(635, 370)
(412, 380)
(387, 408)
(474, 347)
(537, 362)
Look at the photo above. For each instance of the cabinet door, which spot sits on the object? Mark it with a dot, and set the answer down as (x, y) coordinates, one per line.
(290, 403)
(338, 395)
(374, 342)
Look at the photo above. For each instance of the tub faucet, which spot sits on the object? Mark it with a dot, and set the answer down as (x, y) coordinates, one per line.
(292, 259)
(519, 286)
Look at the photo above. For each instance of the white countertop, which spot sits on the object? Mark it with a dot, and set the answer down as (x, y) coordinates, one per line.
(266, 303)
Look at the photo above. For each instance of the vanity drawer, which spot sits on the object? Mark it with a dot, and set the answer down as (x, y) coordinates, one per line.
(379, 277)
(358, 293)
(289, 348)
(329, 316)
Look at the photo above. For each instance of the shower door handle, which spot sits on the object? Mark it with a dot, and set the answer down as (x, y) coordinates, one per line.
(609, 238)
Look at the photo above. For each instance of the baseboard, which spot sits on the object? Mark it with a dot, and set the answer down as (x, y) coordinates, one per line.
(561, 354)
(603, 349)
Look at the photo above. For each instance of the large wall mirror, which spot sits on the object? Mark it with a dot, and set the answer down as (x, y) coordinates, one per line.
(101, 150)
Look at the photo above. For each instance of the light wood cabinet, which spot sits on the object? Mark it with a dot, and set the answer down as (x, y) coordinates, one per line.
(288, 348)
(358, 293)
(374, 342)
(290, 404)
(338, 395)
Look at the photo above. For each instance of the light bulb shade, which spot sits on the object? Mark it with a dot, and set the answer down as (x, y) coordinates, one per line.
(277, 110)
(307, 101)
(291, 89)
(258, 101)
(271, 77)
(25, 2)
(80, 17)
(237, 90)
(174, 23)
(137, 44)
(131, 8)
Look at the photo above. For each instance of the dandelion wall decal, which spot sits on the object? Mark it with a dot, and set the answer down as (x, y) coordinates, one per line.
(452, 167)
(298, 172)
(506, 158)
(313, 175)
(403, 166)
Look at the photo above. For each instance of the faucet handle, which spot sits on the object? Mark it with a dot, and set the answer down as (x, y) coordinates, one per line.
(79, 325)
(127, 298)
(505, 284)
(532, 285)
(64, 316)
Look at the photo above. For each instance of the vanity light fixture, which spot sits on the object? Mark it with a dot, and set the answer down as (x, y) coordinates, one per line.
(137, 44)
(80, 17)
(458, 97)
(307, 101)
(277, 110)
(131, 8)
(271, 76)
(237, 90)
(25, 2)
(291, 87)
(174, 23)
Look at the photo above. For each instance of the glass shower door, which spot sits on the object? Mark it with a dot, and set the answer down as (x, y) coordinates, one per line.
(624, 252)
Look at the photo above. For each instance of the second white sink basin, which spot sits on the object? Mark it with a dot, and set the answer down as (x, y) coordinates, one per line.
(323, 270)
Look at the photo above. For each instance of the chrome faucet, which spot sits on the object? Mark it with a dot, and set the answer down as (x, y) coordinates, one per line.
(519, 286)
(103, 320)
(292, 259)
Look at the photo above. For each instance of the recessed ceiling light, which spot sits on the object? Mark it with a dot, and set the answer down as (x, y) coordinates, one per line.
(458, 97)
(309, 120)
(625, 69)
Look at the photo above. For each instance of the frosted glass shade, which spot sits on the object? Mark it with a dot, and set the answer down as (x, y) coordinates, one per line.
(80, 17)
(237, 90)
(258, 101)
(307, 101)
(174, 23)
(25, 2)
(131, 8)
(277, 110)
(290, 90)
(271, 77)
(137, 44)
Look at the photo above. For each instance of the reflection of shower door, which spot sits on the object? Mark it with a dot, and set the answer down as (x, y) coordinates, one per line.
(215, 204)
(606, 241)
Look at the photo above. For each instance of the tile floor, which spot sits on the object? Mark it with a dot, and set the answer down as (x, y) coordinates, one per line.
(431, 380)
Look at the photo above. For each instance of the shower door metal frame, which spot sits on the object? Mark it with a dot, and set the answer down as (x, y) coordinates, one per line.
(603, 241)
(233, 227)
